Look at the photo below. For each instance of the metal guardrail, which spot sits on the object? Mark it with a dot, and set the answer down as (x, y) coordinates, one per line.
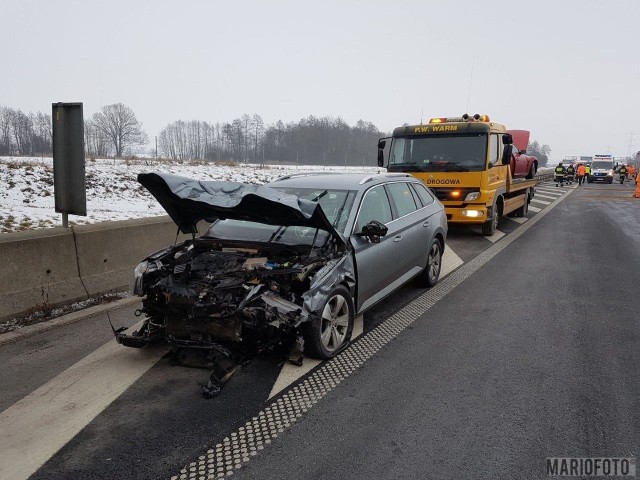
(544, 175)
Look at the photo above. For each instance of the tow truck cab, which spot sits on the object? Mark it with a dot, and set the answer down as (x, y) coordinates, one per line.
(469, 163)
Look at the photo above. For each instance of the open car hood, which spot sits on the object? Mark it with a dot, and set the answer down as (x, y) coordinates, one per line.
(520, 138)
(188, 201)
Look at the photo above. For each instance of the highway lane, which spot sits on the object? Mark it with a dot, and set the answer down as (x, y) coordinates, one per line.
(160, 423)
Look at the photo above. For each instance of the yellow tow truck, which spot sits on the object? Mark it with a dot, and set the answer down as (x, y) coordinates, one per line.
(477, 168)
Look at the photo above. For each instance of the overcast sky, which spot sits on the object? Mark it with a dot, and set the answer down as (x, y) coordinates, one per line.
(566, 70)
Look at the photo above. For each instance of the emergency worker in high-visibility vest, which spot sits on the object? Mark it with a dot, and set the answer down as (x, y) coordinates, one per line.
(622, 171)
(581, 171)
(560, 171)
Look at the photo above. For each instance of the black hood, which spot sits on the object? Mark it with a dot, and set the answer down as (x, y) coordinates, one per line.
(188, 201)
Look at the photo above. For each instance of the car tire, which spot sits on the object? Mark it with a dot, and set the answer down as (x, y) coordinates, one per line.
(490, 226)
(532, 171)
(589, 180)
(329, 332)
(431, 273)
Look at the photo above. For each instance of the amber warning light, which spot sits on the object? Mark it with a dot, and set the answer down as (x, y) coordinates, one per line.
(464, 118)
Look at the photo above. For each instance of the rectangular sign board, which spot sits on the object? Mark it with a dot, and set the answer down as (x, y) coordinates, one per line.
(68, 158)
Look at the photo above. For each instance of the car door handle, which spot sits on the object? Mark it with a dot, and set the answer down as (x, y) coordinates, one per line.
(426, 224)
(398, 238)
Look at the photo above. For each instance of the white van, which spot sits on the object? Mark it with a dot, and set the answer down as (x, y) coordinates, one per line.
(601, 169)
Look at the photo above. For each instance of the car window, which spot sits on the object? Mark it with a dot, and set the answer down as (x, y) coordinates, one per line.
(374, 206)
(424, 194)
(336, 204)
(402, 198)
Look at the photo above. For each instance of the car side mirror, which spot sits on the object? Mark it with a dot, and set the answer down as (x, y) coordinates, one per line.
(381, 145)
(507, 139)
(373, 231)
(506, 154)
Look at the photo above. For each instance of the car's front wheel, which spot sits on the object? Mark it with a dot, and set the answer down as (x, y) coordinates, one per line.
(431, 273)
(325, 335)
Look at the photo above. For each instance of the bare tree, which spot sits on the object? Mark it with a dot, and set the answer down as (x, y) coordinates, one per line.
(118, 123)
(5, 130)
(96, 142)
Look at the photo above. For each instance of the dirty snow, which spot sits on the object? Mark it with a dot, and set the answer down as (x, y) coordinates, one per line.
(43, 313)
(27, 197)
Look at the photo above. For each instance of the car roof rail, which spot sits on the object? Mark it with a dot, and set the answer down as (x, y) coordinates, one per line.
(370, 178)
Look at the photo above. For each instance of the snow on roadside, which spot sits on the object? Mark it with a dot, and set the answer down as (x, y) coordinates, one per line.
(27, 201)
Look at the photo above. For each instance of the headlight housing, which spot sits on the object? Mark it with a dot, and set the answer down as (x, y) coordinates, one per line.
(141, 269)
(138, 274)
(472, 196)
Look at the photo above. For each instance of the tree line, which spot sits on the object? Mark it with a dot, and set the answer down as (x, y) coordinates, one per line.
(115, 131)
(24, 134)
(312, 141)
(110, 132)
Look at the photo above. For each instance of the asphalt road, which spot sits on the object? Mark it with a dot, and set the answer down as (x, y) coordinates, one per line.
(534, 354)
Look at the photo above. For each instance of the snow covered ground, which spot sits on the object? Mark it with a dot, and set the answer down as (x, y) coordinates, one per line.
(26, 187)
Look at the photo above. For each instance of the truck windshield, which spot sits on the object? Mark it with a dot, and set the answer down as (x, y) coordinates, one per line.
(439, 153)
(602, 165)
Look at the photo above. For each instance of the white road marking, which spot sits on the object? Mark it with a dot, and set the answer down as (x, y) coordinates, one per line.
(543, 202)
(450, 261)
(534, 209)
(548, 196)
(36, 427)
(550, 189)
(496, 236)
(519, 219)
(493, 238)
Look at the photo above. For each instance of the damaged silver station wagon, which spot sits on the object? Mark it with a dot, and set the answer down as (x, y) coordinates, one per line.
(285, 265)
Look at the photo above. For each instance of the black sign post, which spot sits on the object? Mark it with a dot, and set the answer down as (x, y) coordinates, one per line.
(68, 160)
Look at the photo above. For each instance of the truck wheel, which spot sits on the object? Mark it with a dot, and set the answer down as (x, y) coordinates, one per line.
(532, 171)
(429, 276)
(489, 227)
(326, 334)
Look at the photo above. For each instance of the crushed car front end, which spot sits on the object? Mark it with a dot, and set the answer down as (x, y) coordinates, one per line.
(242, 284)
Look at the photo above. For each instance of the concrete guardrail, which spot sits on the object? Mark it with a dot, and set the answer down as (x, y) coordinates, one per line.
(52, 267)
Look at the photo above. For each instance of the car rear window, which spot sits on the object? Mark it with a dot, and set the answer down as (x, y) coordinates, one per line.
(402, 198)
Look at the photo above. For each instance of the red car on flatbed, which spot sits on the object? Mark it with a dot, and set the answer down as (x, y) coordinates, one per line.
(522, 165)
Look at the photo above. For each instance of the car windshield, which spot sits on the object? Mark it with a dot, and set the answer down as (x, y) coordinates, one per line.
(602, 165)
(440, 153)
(336, 205)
